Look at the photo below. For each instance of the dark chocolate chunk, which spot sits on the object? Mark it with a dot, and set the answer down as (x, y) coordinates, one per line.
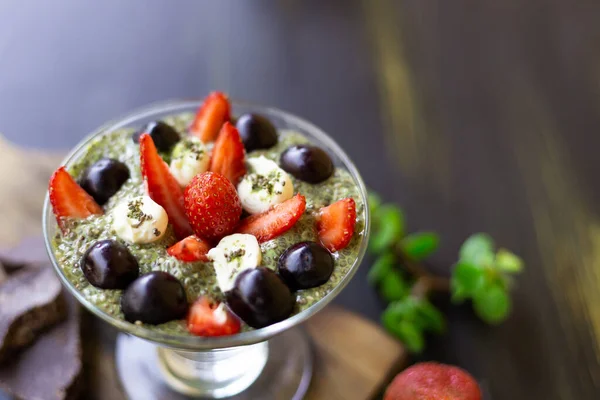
(31, 251)
(51, 368)
(30, 301)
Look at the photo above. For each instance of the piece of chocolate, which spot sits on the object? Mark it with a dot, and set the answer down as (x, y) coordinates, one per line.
(31, 301)
(31, 251)
(3, 276)
(51, 368)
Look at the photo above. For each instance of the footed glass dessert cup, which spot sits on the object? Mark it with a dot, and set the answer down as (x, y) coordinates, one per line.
(274, 362)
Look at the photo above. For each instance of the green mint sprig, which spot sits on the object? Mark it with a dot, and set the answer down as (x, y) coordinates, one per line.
(484, 276)
(481, 275)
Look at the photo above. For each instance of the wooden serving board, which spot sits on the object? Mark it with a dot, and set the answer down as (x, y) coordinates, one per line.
(354, 357)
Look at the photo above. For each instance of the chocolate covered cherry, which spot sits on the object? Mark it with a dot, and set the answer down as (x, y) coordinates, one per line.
(154, 298)
(307, 163)
(108, 264)
(163, 135)
(260, 297)
(104, 178)
(256, 131)
(305, 265)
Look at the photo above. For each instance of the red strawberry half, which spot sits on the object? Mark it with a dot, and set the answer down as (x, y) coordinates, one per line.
(162, 186)
(335, 224)
(206, 318)
(190, 249)
(228, 154)
(212, 205)
(276, 221)
(211, 116)
(68, 199)
(432, 381)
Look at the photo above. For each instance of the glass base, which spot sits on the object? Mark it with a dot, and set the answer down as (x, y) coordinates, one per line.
(280, 368)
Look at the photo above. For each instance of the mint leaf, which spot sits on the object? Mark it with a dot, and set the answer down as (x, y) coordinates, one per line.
(410, 335)
(420, 245)
(391, 316)
(393, 287)
(388, 228)
(431, 319)
(492, 303)
(508, 262)
(478, 249)
(466, 279)
(381, 268)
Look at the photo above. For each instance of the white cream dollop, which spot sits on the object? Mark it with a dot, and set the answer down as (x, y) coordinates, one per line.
(139, 220)
(264, 185)
(190, 158)
(234, 254)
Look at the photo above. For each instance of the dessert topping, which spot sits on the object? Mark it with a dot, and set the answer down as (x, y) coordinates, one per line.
(228, 154)
(162, 187)
(68, 199)
(260, 297)
(108, 264)
(335, 224)
(154, 298)
(256, 131)
(211, 116)
(190, 249)
(190, 157)
(212, 205)
(307, 163)
(234, 254)
(104, 178)
(163, 135)
(265, 186)
(208, 318)
(139, 220)
(305, 265)
(274, 222)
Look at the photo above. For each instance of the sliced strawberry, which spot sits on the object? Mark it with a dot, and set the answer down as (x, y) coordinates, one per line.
(68, 199)
(335, 224)
(207, 318)
(211, 116)
(275, 221)
(162, 186)
(228, 154)
(190, 249)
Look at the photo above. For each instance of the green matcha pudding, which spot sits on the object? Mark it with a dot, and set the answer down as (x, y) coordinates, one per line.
(205, 224)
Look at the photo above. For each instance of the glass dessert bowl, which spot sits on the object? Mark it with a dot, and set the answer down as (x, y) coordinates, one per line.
(271, 358)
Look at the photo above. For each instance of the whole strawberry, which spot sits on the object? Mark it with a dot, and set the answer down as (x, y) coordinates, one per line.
(433, 381)
(212, 206)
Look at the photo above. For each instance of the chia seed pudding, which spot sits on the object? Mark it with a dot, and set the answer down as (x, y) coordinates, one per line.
(198, 278)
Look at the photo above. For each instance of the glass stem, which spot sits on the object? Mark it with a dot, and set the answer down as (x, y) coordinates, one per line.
(213, 374)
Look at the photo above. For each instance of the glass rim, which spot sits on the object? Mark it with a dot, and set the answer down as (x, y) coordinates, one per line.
(199, 343)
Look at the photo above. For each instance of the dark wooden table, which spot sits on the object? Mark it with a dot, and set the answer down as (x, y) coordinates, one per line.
(474, 115)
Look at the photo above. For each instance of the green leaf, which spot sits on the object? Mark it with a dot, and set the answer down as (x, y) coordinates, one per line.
(508, 262)
(381, 268)
(478, 249)
(420, 245)
(492, 303)
(430, 318)
(459, 294)
(393, 287)
(388, 228)
(411, 336)
(392, 315)
(402, 309)
(466, 279)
